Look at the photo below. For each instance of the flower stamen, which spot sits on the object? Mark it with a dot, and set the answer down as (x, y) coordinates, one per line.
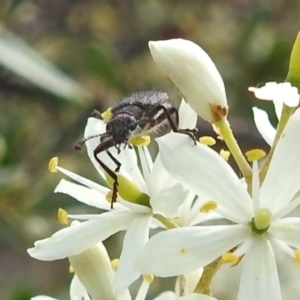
(255, 154)
(225, 154)
(106, 116)
(208, 206)
(297, 256)
(62, 216)
(207, 140)
(114, 263)
(229, 257)
(53, 164)
(141, 140)
(148, 277)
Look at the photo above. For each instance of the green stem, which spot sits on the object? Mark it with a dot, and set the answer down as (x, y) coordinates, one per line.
(286, 113)
(203, 285)
(227, 135)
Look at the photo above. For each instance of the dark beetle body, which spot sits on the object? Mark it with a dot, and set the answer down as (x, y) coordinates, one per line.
(139, 114)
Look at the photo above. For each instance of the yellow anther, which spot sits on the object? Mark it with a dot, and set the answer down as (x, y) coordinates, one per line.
(208, 206)
(297, 256)
(71, 270)
(262, 219)
(62, 216)
(229, 257)
(148, 277)
(114, 263)
(255, 154)
(141, 140)
(53, 164)
(225, 154)
(207, 140)
(106, 116)
(182, 250)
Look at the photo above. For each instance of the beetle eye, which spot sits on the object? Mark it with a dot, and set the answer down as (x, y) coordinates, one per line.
(131, 123)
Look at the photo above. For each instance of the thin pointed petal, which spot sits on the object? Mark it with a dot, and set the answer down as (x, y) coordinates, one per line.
(77, 290)
(136, 237)
(182, 250)
(206, 173)
(83, 194)
(159, 177)
(278, 92)
(187, 116)
(68, 241)
(167, 201)
(284, 168)
(287, 230)
(264, 125)
(259, 279)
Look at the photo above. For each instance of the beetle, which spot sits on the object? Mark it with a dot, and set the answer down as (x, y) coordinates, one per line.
(141, 113)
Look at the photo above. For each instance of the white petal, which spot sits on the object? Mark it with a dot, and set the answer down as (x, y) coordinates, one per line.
(281, 92)
(187, 116)
(127, 157)
(93, 268)
(287, 230)
(197, 297)
(89, 183)
(207, 174)
(42, 297)
(136, 237)
(264, 125)
(282, 181)
(187, 283)
(83, 194)
(77, 290)
(167, 201)
(259, 279)
(169, 295)
(143, 290)
(193, 72)
(146, 163)
(182, 250)
(159, 177)
(73, 240)
(278, 105)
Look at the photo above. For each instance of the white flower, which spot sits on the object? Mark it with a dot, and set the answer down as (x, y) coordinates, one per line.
(194, 74)
(260, 222)
(93, 268)
(77, 291)
(279, 93)
(169, 295)
(165, 194)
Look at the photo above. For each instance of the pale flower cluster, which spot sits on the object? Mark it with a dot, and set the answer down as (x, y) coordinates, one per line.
(187, 187)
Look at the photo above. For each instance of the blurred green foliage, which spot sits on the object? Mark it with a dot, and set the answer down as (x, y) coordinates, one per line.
(103, 46)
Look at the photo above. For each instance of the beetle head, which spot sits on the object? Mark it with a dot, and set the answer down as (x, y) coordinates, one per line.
(121, 126)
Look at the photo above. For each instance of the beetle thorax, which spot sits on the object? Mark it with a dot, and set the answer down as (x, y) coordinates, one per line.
(121, 126)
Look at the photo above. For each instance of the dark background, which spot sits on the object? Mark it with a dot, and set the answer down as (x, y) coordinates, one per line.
(103, 46)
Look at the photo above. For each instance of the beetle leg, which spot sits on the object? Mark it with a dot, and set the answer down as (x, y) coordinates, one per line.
(104, 147)
(174, 124)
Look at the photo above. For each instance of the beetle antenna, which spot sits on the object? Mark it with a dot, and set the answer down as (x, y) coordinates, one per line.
(79, 145)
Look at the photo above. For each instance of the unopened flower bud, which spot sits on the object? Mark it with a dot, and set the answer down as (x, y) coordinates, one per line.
(195, 75)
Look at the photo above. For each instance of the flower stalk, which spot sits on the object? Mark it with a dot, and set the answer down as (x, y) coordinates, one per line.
(203, 285)
(286, 113)
(227, 135)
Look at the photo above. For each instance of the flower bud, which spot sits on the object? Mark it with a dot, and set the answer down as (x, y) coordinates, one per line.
(195, 75)
(94, 271)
